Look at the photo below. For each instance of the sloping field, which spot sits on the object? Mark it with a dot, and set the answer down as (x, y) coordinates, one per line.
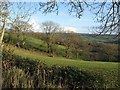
(108, 70)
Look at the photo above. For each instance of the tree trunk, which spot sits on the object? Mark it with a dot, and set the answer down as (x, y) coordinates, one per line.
(2, 32)
(118, 37)
(67, 52)
(48, 48)
(1, 46)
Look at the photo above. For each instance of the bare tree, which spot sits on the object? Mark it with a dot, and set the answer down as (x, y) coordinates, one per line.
(3, 16)
(22, 26)
(108, 14)
(50, 29)
(67, 43)
(76, 43)
(10, 13)
(19, 29)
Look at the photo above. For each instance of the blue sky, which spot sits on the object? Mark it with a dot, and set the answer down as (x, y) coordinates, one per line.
(82, 25)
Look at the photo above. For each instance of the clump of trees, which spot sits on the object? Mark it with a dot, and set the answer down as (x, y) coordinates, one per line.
(104, 52)
(14, 16)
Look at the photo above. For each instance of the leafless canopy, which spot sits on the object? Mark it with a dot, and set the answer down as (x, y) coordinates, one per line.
(11, 12)
(74, 7)
(107, 12)
(50, 27)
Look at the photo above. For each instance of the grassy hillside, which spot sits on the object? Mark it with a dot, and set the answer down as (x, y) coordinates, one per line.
(108, 70)
(89, 51)
(35, 50)
(32, 43)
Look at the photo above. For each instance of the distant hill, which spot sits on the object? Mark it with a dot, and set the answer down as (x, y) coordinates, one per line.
(100, 38)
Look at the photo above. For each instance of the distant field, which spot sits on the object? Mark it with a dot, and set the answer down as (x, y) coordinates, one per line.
(99, 38)
(109, 70)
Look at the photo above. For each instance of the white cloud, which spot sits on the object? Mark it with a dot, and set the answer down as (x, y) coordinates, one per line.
(69, 29)
(35, 25)
(85, 30)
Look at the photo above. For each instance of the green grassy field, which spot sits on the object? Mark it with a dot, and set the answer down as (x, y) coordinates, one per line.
(99, 39)
(108, 70)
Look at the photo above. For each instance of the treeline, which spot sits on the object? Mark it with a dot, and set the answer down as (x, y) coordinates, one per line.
(77, 48)
(69, 45)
